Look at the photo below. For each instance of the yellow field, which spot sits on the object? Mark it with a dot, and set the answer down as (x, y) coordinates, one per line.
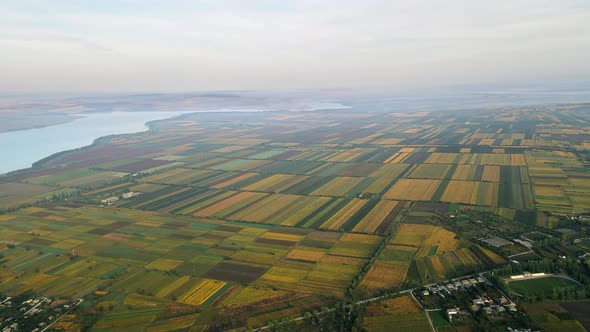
(459, 192)
(347, 156)
(375, 217)
(360, 238)
(311, 255)
(385, 175)
(384, 276)
(487, 141)
(437, 266)
(396, 158)
(429, 171)
(172, 286)
(337, 187)
(226, 203)
(485, 193)
(262, 210)
(441, 158)
(274, 182)
(491, 174)
(6, 217)
(163, 264)
(425, 236)
(237, 179)
(412, 190)
(303, 208)
(283, 236)
(342, 216)
(471, 192)
(390, 245)
(401, 305)
(518, 159)
(250, 294)
(284, 277)
(493, 256)
(388, 141)
(138, 300)
(555, 191)
(201, 292)
(175, 324)
(464, 172)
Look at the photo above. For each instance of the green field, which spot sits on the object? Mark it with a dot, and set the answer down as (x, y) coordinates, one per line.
(541, 286)
(438, 318)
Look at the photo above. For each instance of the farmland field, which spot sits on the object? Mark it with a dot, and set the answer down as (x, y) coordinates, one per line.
(402, 312)
(217, 220)
(555, 316)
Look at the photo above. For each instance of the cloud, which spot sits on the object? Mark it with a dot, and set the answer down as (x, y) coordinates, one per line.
(202, 45)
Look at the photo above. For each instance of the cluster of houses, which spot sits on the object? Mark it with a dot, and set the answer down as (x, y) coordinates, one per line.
(30, 309)
(486, 304)
(481, 301)
(111, 200)
(453, 286)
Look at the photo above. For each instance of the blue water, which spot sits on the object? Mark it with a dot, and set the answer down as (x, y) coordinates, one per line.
(20, 149)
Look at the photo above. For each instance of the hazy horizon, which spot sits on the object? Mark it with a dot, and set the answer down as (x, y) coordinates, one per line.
(161, 46)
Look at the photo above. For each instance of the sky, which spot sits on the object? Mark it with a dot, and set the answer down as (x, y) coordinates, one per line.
(204, 45)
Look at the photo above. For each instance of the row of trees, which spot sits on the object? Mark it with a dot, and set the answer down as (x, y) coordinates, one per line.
(344, 317)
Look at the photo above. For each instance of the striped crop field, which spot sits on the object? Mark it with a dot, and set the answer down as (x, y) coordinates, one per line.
(412, 190)
(201, 292)
(340, 186)
(378, 215)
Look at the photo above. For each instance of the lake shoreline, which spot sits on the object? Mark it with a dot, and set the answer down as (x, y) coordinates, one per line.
(40, 162)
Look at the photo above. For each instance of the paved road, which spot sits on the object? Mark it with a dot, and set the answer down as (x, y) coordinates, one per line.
(520, 254)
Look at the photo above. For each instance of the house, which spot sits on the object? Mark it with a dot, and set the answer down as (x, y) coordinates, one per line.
(511, 307)
(478, 301)
(110, 200)
(451, 313)
(131, 194)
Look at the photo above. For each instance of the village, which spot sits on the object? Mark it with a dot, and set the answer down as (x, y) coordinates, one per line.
(30, 313)
(461, 301)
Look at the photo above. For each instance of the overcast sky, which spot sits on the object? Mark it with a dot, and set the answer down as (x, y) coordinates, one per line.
(165, 46)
